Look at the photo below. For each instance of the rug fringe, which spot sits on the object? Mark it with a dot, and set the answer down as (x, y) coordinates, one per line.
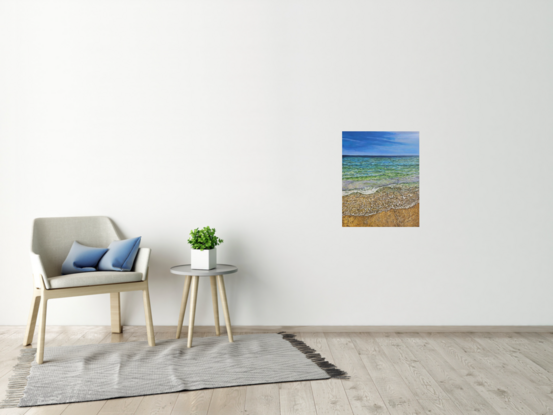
(315, 357)
(18, 381)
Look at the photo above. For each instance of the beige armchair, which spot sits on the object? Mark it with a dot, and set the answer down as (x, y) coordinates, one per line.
(51, 242)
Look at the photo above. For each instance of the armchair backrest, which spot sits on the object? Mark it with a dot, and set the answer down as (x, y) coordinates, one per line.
(53, 237)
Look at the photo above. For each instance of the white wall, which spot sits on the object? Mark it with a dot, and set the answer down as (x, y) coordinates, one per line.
(170, 115)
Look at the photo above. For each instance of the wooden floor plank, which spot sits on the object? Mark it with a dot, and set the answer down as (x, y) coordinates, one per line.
(67, 337)
(193, 402)
(512, 374)
(465, 397)
(538, 349)
(121, 406)
(92, 336)
(47, 410)
(84, 408)
(263, 399)
(6, 331)
(538, 376)
(10, 339)
(228, 401)
(538, 341)
(14, 411)
(415, 376)
(164, 335)
(494, 389)
(329, 395)
(547, 336)
(440, 407)
(364, 398)
(346, 357)
(468, 343)
(394, 391)
(296, 398)
(124, 336)
(157, 404)
(528, 348)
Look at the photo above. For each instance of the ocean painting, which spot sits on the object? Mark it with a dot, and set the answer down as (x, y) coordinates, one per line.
(380, 179)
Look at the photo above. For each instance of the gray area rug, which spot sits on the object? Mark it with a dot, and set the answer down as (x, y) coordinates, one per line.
(105, 371)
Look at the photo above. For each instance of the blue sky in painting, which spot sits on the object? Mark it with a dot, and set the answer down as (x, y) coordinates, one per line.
(380, 143)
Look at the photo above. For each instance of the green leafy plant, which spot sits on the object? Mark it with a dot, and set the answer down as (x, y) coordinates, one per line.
(204, 238)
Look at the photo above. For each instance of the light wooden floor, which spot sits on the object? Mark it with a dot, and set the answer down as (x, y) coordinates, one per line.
(391, 373)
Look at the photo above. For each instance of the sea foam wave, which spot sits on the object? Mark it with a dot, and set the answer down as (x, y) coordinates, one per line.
(386, 198)
(366, 191)
(367, 187)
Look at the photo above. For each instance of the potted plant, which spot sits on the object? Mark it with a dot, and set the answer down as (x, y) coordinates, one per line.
(204, 253)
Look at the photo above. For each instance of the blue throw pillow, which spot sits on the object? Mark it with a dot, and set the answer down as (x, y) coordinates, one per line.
(120, 255)
(82, 258)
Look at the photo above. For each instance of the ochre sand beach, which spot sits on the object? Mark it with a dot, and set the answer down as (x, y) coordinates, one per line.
(391, 218)
(389, 206)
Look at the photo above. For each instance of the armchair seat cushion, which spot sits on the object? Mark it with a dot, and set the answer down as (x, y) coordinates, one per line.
(93, 278)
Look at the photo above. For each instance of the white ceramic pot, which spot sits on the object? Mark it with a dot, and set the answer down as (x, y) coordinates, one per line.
(206, 259)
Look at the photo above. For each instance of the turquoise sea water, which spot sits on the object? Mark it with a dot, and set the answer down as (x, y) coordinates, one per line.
(368, 174)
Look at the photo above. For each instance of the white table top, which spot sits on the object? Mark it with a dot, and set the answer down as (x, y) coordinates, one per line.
(221, 269)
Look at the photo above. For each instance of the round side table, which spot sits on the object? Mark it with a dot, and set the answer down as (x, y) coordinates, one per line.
(193, 277)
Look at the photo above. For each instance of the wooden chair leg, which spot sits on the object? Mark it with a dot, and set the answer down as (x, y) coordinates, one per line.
(223, 293)
(183, 304)
(193, 298)
(149, 321)
(42, 330)
(31, 324)
(215, 304)
(115, 306)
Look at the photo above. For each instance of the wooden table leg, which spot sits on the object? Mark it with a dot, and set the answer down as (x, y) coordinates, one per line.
(215, 304)
(42, 332)
(115, 307)
(35, 305)
(194, 296)
(183, 304)
(148, 314)
(223, 293)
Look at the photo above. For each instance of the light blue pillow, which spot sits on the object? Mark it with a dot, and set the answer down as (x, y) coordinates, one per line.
(120, 255)
(82, 258)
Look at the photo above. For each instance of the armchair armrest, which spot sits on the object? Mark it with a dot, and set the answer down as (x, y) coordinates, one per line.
(39, 274)
(142, 261)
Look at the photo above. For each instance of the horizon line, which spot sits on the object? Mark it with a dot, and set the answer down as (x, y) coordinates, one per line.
(380, 155)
